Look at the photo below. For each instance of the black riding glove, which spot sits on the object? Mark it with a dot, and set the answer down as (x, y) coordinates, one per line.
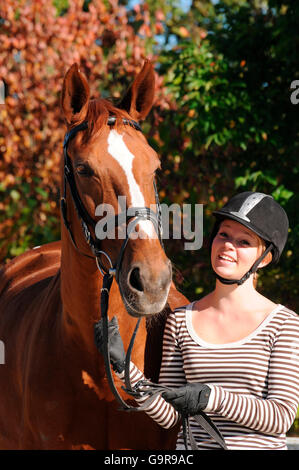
(115, 344)
(189, 399)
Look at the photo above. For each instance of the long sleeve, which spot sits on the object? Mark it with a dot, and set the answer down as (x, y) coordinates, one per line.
(275, 413)
(171, 374)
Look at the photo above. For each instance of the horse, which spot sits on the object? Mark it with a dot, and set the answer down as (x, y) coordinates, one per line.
(54, 389)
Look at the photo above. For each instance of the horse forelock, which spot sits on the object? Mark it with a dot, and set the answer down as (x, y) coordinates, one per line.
(99, 110)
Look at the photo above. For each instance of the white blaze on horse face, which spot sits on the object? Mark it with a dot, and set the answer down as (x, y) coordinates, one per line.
(120, 152)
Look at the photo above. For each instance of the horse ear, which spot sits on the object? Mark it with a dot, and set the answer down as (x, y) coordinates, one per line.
(75, 95)
(139, 98)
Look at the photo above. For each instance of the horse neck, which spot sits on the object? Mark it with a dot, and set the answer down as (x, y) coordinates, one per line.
(81, 282)
(80, 292)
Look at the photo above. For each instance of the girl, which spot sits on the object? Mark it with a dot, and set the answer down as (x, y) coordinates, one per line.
(234, 353)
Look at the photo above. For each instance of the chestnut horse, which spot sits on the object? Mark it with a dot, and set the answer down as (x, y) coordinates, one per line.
(54, 392)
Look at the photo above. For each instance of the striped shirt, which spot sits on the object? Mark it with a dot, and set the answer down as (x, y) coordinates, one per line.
(254, 382)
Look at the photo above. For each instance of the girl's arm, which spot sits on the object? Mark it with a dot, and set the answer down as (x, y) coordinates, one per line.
(275, 413)
(171, 374)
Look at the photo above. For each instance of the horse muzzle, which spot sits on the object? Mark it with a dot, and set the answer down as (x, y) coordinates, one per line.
(145, 290)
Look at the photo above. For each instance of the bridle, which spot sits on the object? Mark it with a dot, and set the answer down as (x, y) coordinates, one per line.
(138, 213)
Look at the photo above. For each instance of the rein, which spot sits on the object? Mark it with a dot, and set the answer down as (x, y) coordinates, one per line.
(144, 387)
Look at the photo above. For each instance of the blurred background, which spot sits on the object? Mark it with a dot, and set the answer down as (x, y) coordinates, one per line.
(224, 119)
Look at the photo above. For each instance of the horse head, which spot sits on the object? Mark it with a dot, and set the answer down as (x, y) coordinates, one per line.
(109, 163)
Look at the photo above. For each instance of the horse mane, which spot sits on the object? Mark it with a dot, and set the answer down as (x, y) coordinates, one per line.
(99, 110)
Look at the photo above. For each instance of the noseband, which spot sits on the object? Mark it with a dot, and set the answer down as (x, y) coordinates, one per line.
(137, 213)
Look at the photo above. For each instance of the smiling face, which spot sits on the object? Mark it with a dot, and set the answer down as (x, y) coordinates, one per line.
(235, 248)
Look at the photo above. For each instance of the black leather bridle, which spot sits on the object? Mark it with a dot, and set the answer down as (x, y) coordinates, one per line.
(138, 213)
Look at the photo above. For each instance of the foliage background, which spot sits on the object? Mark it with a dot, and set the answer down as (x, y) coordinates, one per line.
(222, 121)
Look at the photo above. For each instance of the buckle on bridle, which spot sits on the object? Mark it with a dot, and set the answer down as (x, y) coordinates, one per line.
(111, 270)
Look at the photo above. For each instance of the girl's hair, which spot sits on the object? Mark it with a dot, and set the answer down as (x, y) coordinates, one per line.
(267, 259)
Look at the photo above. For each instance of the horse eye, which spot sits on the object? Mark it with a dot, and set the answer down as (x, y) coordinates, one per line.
(83, 169)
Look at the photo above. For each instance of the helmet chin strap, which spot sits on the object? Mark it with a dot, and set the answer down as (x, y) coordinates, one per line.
(252, 270)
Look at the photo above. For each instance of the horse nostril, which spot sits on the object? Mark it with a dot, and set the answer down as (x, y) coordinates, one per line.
(135, 280)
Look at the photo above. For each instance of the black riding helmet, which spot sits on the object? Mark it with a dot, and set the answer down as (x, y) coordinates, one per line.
(264, 216)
